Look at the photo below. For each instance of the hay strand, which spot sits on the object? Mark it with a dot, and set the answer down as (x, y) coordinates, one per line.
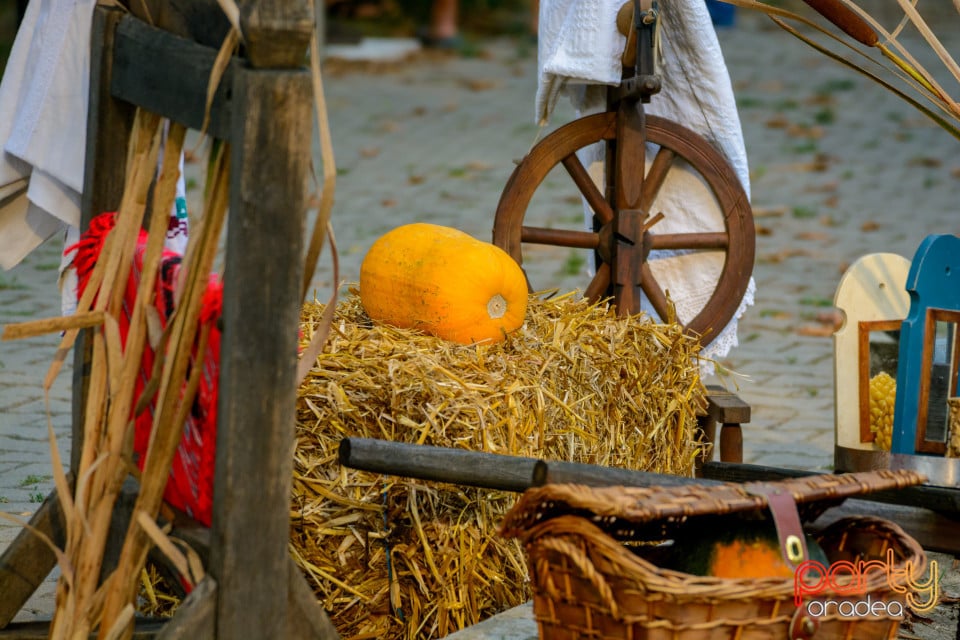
(395, 557)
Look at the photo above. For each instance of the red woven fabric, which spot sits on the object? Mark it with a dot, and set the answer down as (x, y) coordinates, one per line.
(190, 486)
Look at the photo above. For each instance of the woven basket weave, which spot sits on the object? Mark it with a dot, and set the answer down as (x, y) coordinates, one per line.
(588, 584)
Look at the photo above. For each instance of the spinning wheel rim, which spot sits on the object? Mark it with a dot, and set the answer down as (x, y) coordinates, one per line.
(738, 236)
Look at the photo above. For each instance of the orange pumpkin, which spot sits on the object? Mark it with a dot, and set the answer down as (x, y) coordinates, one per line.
(444, 282)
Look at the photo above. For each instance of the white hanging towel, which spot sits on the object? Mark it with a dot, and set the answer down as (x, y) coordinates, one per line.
(43, 122)
(43, 131)
(579, 52)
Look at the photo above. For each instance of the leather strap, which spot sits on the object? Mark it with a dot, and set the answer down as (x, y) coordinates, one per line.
(793, 543)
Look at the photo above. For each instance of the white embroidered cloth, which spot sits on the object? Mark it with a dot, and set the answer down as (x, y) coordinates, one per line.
(579, 55)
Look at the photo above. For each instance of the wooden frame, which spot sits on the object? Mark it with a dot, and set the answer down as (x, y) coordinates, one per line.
(932, 318)
(252, 589)
(864, 329)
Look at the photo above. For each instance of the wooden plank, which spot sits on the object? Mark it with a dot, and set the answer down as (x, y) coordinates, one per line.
(195, 618)
(725, 406)
(201, 21)
(109, 123)
(169, 75)
(27, 561)
(305, 617)
(261, 314)
(40, 630)
(276, 32)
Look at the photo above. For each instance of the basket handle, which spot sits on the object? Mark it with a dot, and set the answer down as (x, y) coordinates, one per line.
(580, 560)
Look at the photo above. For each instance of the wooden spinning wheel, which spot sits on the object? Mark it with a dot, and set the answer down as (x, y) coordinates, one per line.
(624, 220)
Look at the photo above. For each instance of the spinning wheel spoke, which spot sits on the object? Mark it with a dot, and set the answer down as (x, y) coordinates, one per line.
(654, 179)
(736, 238)
(655, 294)
(717, 240)
(560, 237)
(587, 188)
(600, 283)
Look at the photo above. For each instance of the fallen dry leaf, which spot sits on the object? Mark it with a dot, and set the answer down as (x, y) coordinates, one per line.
(370, 152)
(386, 203)
(479, 166)
(760, 230)
(777, 122)
(780, 256)
(826, 187)
(812, 132)
(814, 236)
(828, 221)
(817, 331)
(870, 225)
(480, 84)
(770, 212)
(833, 318)
(416, 179)
(929, 162)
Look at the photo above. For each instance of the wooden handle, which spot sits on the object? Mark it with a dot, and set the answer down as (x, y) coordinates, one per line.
(439, 464)
(846, 20)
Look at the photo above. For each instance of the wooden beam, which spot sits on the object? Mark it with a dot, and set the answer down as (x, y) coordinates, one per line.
(276, 32)
(202, 21)
(169, 75)
(195, 618)
(305, 617)
(27, 562)
(109, 123)
(261, 314)
(40, 630)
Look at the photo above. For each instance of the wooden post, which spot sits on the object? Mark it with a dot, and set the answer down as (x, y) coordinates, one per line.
(109, 123)
(276, 32)
(261, 312)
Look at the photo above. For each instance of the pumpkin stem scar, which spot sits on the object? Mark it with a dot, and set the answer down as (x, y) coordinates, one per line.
(497, 306)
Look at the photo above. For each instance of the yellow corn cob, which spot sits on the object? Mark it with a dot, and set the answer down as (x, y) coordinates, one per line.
(883, 392)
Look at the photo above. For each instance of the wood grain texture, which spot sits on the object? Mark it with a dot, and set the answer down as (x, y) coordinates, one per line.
(27, 561)
(201, 21)
(195, 618)
(109, 123)
(261, 309)
(169, 75)
(276, 32)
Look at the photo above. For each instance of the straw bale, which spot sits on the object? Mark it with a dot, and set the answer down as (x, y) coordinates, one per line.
(394, 557)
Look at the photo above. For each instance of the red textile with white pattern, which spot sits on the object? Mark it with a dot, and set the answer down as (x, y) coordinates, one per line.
(190, 486)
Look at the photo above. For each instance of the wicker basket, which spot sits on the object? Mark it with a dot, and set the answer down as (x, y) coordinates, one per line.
(588, 584)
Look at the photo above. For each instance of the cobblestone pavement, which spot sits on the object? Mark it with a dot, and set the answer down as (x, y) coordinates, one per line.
(839, 169)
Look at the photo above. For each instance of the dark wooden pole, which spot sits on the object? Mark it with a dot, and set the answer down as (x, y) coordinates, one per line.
(439, 464)
(261, 311)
